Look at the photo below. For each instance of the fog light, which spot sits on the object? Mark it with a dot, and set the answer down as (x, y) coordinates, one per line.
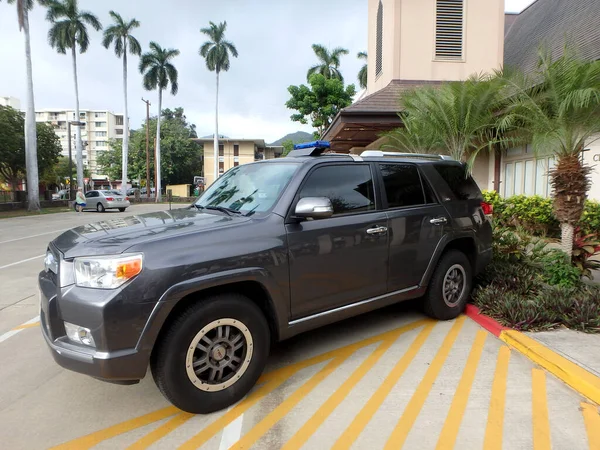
(80, 335)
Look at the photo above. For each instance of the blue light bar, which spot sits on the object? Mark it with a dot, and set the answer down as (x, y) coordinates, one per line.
(319, 144)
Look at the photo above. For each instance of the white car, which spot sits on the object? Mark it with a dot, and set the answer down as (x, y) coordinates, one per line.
(103, 200)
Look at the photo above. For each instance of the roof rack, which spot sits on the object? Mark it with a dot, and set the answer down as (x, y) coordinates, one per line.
(380, 154)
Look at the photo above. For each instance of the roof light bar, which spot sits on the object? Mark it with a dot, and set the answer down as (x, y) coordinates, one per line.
(319, 144)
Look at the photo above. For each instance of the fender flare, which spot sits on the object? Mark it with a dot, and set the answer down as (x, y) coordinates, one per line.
(441, 247)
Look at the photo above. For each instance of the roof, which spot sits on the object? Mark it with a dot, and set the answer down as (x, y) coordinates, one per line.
(547, 23)
(260, 143)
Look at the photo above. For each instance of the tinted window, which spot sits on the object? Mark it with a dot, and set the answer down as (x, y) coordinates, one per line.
(460, 182)
(402, 185)
(350, 188)
(92, 194)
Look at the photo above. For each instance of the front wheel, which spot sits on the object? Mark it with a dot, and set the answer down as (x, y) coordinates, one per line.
(450, 286)
(212, 354)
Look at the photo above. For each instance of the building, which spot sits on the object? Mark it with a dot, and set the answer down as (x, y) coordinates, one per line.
(10, 101)
(422, 42)
(234, 152)
(100, 126)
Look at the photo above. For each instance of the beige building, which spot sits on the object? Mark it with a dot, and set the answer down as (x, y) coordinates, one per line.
(235, 152)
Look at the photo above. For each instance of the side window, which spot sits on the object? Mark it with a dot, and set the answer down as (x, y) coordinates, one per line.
(460, 182)
(402, 185)
(89, 194)
(350, 188)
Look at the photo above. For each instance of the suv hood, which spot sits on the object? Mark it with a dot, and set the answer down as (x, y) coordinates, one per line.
(115, 235)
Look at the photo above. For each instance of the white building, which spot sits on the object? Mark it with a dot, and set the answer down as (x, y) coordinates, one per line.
(100, 126)
(10, 101)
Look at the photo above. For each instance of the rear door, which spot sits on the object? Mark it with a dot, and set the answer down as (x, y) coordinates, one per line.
(417, 222)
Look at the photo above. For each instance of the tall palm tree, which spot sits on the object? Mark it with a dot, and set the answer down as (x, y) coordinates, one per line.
(158, 72)
(362, 73)
(216, 52)
(558, 109)
(69, 31)
(329, 62)
(31, 165)
(120, 33)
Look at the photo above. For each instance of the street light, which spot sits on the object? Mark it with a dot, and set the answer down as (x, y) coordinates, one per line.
(77, 124)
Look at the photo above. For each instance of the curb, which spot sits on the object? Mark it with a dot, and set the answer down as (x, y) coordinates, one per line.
(582, 381)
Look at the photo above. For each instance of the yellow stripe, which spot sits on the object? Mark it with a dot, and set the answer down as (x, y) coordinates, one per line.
(541, 427)
(449, 433)
(26, 325)
(415, 404)
(362, 419)
(278, 413)
(592, 424)
(493, 431)
(300, 438)
(161, 431)
(95, 438)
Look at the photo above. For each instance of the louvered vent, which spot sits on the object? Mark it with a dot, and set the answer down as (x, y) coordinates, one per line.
(449, 35)
(379, 41)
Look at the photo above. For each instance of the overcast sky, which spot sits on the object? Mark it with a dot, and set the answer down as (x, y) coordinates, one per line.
(273, 38)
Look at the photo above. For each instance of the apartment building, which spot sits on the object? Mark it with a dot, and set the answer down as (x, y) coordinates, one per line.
(99, 126)
(10, 101)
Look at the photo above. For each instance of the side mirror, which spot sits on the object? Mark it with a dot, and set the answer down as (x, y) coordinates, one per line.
(314, 208)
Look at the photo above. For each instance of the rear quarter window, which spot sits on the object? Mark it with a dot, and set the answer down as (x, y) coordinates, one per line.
(459, 181)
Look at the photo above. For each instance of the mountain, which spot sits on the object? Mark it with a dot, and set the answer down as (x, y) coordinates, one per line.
(297, 137)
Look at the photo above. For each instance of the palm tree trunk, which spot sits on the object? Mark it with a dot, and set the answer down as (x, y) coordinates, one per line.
(125, 151)
(78, 144)
(216, 139)
(157, 162)
(31, 163)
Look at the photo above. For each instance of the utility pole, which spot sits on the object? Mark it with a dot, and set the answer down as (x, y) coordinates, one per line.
(155, 171)
(147, 102)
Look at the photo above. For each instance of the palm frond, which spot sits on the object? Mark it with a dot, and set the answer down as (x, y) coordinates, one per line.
(90, 19)
(134, 46)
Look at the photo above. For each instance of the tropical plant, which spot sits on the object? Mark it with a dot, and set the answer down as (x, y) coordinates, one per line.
(120, 33)
(329, 62)
(69, 32)
(33, 193)
(216, 52)
(558, 108)
(158, 72)
(586, 247)
(362, 73)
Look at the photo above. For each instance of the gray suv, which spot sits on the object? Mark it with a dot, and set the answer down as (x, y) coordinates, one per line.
(270, 250)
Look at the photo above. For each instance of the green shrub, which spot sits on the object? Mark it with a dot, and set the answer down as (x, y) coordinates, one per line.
(558, 270)
(590, 220)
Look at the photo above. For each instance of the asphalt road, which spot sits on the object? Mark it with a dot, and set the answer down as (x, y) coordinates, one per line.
(390, 379)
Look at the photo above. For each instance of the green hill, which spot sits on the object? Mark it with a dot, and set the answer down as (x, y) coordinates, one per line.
(297, 137)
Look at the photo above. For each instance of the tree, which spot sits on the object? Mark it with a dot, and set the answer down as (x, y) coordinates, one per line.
(13, 148)
(558, 109)
(120, 33)
(288, 146)
(362, 73)
(158, 72)
(216, 52)
(58, 174)
(320, 102)
(33, 193)
(69, 31)
(329, 62)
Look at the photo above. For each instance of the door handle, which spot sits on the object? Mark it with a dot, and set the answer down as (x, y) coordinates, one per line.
(438, 221)
(377, 230)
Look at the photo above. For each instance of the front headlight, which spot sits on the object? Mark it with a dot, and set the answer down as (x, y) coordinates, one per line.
(107, 272)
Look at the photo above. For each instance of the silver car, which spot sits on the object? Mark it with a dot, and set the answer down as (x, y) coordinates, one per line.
(103, 200)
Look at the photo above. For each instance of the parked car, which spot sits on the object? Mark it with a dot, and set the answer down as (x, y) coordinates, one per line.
(103, 200)
(63, 194)
(270, 250)
(143, 191)
(131, 192)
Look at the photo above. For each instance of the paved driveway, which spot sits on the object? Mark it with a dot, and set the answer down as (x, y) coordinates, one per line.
(390, 379)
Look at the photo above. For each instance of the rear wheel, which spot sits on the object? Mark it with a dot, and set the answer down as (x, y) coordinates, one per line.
(212, 354)
(122, 209)
(100, 207)
(450, 286)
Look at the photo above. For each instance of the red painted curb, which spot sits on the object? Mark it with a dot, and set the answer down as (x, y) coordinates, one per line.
(486, 322)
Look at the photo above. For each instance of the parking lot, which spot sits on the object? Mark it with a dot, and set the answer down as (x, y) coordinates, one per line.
(390, 379)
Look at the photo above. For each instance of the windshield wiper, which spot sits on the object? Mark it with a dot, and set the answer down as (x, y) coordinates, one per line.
(222, 209)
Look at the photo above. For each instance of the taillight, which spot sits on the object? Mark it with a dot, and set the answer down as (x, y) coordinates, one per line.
(127, 199)
(109, 199)
(488, 209)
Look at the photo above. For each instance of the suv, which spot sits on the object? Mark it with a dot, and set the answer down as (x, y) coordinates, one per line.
(270, 250)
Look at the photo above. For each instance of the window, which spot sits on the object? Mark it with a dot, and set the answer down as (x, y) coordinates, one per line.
(236, 150)
(101, 143)
(449, 30)
(402, 185)
(100, 133)
(99, 115)
(350, 188)
(459, 181)
(221, 167)
(236, 163)
(221, 150)
(100, 124)
(119, 120)
(119, 132)
(379, 41)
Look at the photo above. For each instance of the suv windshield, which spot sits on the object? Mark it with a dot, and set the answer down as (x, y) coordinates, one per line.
(248, 188)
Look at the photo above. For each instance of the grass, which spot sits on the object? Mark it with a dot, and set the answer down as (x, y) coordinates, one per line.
(25, 213)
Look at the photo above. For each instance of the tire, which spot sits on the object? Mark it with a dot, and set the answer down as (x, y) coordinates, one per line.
(122, 209)
(454, 267)
(178, 350)
(100, 207)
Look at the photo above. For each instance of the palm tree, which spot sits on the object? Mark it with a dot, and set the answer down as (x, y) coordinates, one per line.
(329, 62)
(158, 72)
(558, 109)
(120, 33)
(31, 165)
(362, 73)
(216, 52)
(69, 31)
